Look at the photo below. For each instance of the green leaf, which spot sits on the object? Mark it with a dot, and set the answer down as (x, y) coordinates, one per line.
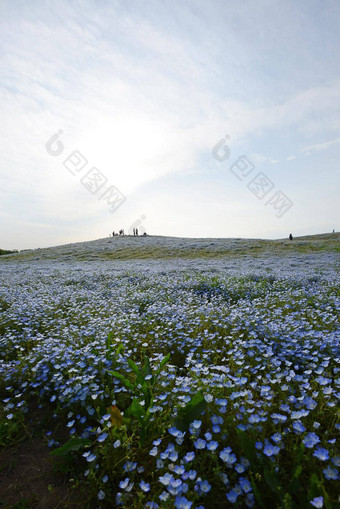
(192, 410)
(119, 349)
(136, 410)
(256, 491)
(315, 487)
(164, 361)
(124, 380)
(146, 368)
(272, 481)
(72, 445)
(109, 340)
(136, 370)
(248, 447)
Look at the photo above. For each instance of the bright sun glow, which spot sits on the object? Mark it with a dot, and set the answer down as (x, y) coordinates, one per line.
(127, 150)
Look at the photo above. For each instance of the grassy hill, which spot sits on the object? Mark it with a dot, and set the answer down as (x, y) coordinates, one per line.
(158, 247)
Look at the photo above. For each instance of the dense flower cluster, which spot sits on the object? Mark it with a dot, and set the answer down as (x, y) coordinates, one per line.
(261, 349)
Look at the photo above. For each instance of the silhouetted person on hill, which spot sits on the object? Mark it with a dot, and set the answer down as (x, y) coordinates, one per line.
(136, 231)
(333, 231)
(290, 236)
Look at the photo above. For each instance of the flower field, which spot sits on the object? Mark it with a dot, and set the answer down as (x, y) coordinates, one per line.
(178, 384)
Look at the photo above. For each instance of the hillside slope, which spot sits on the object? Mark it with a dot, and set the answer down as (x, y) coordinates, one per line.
(157, 247)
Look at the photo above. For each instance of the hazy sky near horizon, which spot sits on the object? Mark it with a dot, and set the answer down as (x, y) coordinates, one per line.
(141, 93)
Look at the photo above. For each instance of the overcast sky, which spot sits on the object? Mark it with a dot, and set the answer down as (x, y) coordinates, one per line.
(189, 118)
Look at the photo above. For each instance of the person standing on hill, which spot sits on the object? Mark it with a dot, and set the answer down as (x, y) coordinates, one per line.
(290, 236)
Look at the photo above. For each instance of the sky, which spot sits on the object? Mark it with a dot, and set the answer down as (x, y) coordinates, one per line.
(183, 118)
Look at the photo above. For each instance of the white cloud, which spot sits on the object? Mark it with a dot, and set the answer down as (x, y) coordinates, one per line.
(317, 147)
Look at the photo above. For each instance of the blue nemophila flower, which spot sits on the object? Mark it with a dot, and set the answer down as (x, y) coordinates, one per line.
(164, 496)
(9, 416)
(227, 456)
(175, 486)
(321, 453)
(192, 474)
(91, 457)
(216, 419)
(224, 478)
(153, 451)
(159, 463)
(278, 418)
(336, 461)
(165, 479)
(179, 469)
(310, 440)
(317, 502)
(195, 427)
(271, 450)
(254, 418)
(175, 483)
(106, 417)
(102, 437)
(285, 408)
(124, 485)
(323, 381)
(129, 466)
(245, 484)
(259, 445)
(239, 468)
(173, 456)
(298, 427)
(101, 495)
(330, 473)
(189, 457)
(299, 413)
(250, 500)
(200, 443)
(119, 498)
(204, 486)
(182, 503)
(232, 496)
(173, 431)
(144, 486)
(212, 445)
(117, 444)
(151, 505)
(276, 438)
(105, 479)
